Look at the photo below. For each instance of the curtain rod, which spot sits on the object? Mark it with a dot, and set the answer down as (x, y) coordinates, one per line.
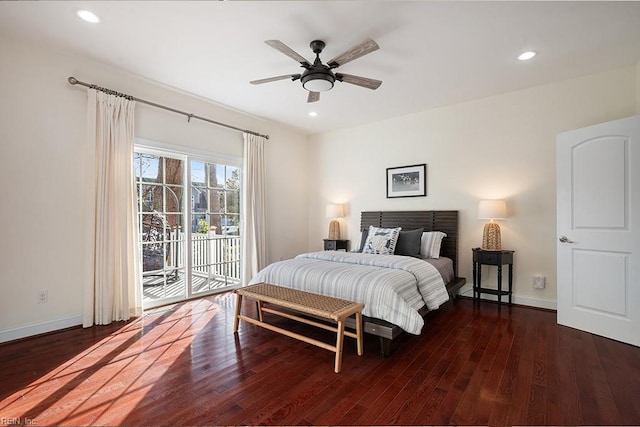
(74, 81)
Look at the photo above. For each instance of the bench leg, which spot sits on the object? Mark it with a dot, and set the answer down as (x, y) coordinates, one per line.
(259, 307)
(236, 319)
(359, 333)
(339, 341)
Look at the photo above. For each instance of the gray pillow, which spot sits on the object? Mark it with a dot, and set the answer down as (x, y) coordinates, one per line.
(409, 243)
(363, 239)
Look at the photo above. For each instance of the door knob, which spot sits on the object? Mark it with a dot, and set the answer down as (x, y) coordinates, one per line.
(564, 239)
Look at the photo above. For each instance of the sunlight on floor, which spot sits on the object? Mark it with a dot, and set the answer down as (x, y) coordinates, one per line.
(147, 347)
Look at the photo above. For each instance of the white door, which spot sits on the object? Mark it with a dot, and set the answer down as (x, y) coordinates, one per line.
(599, 229)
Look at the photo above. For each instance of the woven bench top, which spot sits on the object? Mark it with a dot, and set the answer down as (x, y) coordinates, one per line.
(307, 302)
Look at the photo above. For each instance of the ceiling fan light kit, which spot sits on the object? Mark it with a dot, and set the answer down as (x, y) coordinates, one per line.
(318, 82)
(319, 77)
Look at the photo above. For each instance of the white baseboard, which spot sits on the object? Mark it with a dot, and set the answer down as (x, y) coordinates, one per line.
(521, 300)
(39, 328)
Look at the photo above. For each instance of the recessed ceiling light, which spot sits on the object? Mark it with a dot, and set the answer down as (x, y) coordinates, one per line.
(88, 16)
(526, 55)
(313, 114)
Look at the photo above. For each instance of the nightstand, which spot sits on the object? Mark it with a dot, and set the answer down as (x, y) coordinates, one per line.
(336, 245)
(498, 258)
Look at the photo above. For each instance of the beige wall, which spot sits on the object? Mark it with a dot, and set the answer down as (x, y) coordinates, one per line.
(638, 88)
(42, 122)
(498, 147)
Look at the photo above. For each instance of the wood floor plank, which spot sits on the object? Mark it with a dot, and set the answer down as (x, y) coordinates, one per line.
(448, 408)
(183, 365)
(428, 364)
(595, 395)
(623, 379)
(501, 410)
(525, 397)
(439, 375)
(565, 380)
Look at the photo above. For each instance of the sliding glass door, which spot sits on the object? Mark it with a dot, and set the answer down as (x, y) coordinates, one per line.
(189, 221)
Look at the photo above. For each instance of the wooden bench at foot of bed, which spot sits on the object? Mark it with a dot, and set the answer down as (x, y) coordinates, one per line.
(329, 308)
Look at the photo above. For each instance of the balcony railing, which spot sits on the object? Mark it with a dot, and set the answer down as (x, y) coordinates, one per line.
(216, 255)
(215, 264)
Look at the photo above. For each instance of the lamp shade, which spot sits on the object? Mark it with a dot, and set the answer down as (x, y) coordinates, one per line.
(334, 211)
(492, 209)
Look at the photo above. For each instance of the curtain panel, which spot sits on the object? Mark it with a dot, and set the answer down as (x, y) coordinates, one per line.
(254, 242)
(112, 276)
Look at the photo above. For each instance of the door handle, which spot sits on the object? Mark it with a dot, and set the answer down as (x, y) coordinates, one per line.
(564, 239)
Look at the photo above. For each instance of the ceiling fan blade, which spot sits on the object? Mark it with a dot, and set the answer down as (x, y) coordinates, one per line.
(355, 52)
(313, 97)
(283, 48)
(273, 79)
(360, 81)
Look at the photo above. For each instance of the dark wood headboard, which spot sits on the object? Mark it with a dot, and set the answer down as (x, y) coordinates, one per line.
(445, 221)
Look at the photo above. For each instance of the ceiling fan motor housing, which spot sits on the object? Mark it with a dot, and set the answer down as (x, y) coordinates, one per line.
(317, 46)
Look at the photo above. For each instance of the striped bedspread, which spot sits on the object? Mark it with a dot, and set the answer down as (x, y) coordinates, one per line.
(391, 287)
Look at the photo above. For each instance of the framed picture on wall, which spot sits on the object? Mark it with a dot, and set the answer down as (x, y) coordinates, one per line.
(407, 181)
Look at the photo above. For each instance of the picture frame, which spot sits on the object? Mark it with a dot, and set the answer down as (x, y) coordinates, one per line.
(407, 181)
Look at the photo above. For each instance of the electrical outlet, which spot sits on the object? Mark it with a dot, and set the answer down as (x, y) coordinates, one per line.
(539, 282)
(43, 297)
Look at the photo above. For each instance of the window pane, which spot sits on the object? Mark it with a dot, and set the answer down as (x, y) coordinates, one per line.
(154, 228)
(137, 166)
(148, 168)
(172, 223)
(215, 224)
(233, 178)
(233, 202)
(152, 198)
(173, 171)
(172, 255)
(199, 224)
(231, 225)
(145, 197)
(174, 199)
(216, 201)
(216, 176)
(199, 199)
(197, 173)
(152, 257)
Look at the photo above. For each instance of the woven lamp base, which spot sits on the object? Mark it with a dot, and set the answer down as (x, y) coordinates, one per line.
(491, 237)
(334, 230)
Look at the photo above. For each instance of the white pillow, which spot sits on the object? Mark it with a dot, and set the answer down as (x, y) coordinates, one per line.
(430, 244)
(381, 241)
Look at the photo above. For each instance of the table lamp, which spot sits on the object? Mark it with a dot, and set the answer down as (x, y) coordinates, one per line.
(334, 212)
(492, 209)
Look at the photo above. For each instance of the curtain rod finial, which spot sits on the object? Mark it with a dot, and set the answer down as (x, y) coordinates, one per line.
(72, 80)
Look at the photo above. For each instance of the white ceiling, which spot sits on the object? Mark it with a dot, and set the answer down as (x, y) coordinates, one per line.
(432, 53)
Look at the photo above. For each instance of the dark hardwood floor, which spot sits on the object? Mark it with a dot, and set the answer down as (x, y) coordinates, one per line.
(183, 365)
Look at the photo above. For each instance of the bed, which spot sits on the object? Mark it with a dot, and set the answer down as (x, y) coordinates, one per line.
(398, 291)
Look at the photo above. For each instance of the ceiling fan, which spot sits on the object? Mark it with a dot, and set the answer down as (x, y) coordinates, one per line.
(319, 77)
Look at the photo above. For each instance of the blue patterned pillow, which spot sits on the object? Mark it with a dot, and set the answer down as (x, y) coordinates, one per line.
(381, 241)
